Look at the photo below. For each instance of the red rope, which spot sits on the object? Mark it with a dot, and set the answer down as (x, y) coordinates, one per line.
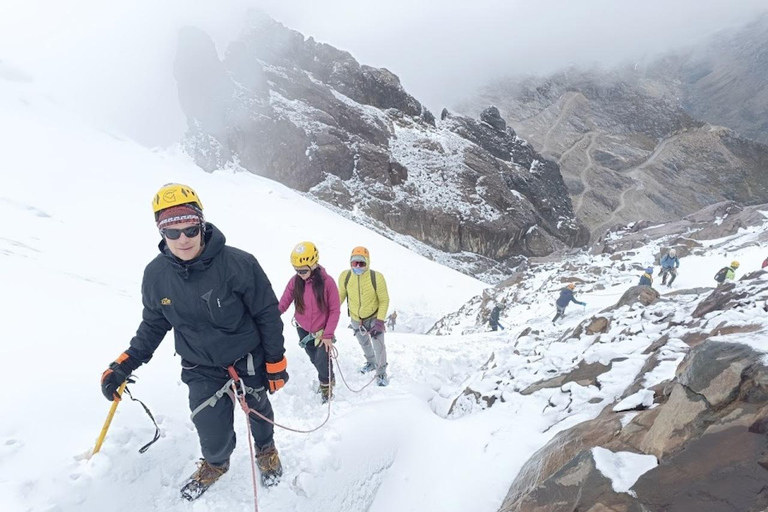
(244, 405)
(332, 354)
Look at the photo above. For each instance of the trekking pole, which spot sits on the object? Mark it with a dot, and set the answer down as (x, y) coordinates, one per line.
(108, 421)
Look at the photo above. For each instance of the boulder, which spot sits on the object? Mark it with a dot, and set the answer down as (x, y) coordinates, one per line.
(598, 325)
(715, 371)
(642, 294)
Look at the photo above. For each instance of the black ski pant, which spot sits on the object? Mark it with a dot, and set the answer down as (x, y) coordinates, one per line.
(318, 356)
(215, 424)
(668, 271)
(560, 313)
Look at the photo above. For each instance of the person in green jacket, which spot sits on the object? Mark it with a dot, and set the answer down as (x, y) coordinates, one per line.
(368, 300)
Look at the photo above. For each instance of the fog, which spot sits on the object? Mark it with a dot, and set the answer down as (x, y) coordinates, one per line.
(112, 62)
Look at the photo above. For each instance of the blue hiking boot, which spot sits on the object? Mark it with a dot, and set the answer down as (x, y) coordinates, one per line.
(367, 367)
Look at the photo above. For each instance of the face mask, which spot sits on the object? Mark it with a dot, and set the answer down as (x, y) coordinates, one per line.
(358, 271)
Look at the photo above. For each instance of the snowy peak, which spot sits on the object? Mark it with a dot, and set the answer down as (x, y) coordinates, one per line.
(313, 118)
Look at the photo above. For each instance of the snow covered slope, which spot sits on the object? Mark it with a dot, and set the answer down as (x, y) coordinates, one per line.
(76, 236)
(77, 233)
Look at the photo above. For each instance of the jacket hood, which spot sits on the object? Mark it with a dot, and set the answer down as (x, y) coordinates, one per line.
(214, 243)
(367, 260)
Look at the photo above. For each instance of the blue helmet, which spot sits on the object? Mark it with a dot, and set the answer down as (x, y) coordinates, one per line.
(649, 270)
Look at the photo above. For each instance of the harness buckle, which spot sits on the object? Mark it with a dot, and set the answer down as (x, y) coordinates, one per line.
(239, 385)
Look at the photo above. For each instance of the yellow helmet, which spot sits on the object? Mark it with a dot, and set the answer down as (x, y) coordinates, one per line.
(735, 264)
(305, 255)
(174, 194)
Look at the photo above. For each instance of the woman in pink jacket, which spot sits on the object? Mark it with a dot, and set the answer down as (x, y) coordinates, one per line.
(316, 297)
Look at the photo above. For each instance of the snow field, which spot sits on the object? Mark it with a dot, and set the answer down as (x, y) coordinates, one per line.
(73, 256)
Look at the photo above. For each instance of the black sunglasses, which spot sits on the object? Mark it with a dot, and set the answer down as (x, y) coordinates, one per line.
(175, 234)
(302, 271)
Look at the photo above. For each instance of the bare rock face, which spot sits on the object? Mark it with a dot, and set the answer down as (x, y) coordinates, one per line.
(720, 299)
(553, 476)
(310, 116)
(708, 433)
(721, 471)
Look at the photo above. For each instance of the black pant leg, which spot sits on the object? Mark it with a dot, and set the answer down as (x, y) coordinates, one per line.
(318, 356)
(262, 430)
(214, 424)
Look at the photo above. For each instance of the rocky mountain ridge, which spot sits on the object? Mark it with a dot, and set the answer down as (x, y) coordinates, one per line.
(657, 398)
(646, 141)
(628, 153)
(311, 117)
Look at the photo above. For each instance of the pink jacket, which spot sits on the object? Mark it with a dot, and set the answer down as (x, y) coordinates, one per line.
(313, 319)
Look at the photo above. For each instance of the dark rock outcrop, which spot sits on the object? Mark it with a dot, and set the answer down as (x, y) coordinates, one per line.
(709, 435)
(310, 116)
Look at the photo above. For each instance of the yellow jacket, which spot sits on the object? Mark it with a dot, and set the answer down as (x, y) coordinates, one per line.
(364, 301)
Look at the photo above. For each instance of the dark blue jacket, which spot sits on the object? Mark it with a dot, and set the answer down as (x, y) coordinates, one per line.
(646, 280)
(220, 305)
(668, 261)
(566, 296)
(494, 319)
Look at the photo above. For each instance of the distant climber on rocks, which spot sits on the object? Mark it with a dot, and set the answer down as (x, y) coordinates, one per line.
(647, 278)
(727, 273)
(669, 265)
(566, 297)
(493, 320)
(392, 321)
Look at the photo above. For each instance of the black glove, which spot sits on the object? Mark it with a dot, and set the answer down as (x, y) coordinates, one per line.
(117, 373)
(378, 328)
(277, 374)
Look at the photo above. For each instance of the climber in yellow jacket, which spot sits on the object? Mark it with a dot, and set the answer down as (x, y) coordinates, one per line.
(367, 301)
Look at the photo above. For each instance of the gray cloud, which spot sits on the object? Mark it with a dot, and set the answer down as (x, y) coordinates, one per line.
(444, 50)
(111, 62)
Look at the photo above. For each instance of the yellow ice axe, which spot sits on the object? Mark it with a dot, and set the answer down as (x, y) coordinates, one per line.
(108, 421)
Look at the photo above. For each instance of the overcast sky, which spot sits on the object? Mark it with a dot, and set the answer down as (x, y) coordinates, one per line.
(112, 61)
(444, 49)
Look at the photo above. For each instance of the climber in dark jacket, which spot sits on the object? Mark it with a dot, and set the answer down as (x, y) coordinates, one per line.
(566, 297)
(647, 278)
(493, 320)
(224, 314)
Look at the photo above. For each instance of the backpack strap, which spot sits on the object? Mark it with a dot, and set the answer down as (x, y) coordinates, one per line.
(349, 274)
